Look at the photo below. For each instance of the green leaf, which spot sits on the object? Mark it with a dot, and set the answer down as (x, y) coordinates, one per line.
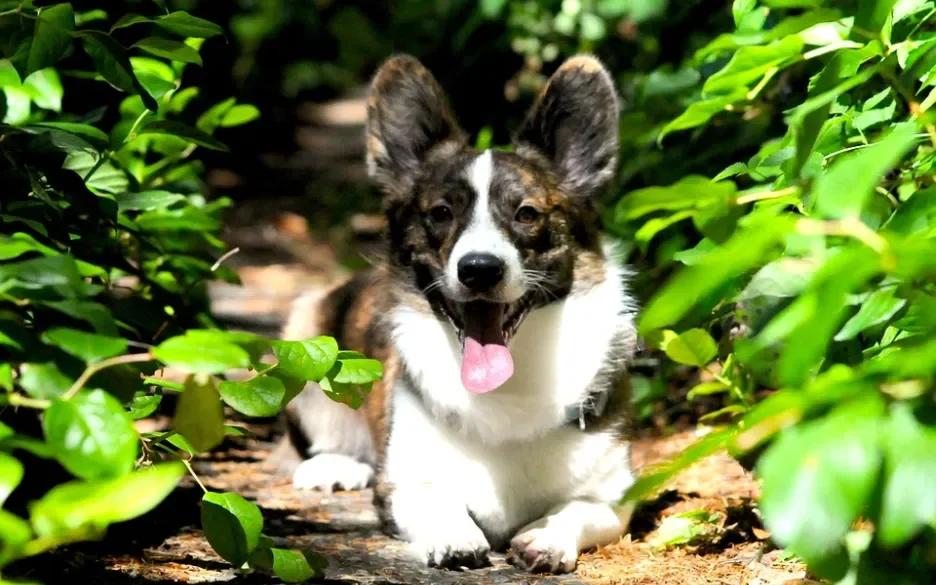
(59, 273)
(51, 37)
(916, 214)
(706, 389)
(691, 192)
(155, 76)
(820, 311)
(655, 225)
(211, 118)
(14, 533)
(96, 504)
(6, 380)
(741, 7)
(819, 476)
(199, 415)
(742, 252)
(879, 307)
(654, 477)
(92, 435)
(11, 473)
(44, 380)
(255, 345)
(359, 371)
(189, 218)
(698, 113)
(144, 405)
(113, 63)
(89, 347)
(845, 189)
(96, 314)
(147, 200)
(107, 177)
(180, 130)
(292, 385)
(232, 526)
(17, 105)
(873, 14)
(95, 137)
(909, 502)
(749, 64)
(308, 360)
(492, 8)
(168, 385)
(192, 355)
(185, 25)
(290, 566)
(693, 348)
(260, 396)
(130, 19)
(182, 443)
(239, 115)
(806, 124)
(341, 392)
(45, 89)
(169, 49)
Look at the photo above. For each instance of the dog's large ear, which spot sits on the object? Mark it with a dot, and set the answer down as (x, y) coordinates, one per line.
(408, 116)
(574, 125)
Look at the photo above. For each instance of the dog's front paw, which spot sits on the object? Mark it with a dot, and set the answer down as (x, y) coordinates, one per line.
(543, 550)
(450, 550)
(332, 471)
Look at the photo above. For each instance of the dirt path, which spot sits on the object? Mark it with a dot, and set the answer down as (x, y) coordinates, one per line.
(169, 547)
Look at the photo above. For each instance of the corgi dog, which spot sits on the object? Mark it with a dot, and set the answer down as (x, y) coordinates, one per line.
(504, 323)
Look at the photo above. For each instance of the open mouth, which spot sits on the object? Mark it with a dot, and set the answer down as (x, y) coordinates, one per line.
(485, 329)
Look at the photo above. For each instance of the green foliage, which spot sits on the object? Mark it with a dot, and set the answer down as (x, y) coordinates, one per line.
(812, 265)
(106, 241)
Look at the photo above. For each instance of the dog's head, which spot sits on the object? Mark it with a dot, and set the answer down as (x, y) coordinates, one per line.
(487, 236)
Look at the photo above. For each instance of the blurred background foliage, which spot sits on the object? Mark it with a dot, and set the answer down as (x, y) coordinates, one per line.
(491, 56)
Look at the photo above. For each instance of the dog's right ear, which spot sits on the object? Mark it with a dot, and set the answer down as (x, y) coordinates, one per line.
(408, 117)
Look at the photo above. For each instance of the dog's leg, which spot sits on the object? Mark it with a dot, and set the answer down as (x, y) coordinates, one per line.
(342, 453)
(334, 436)
(438, 527)
(552, 543)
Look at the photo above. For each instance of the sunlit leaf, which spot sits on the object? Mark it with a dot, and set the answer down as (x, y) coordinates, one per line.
(92, 435)
(169, 49)
(95, 504)
(819, 476)
(232, 525)
(199, 415)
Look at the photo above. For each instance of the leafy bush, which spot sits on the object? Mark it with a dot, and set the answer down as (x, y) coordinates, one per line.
(812, 263)
(106, 245)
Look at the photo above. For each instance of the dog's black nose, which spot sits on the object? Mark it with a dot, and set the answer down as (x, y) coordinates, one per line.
(480, 272)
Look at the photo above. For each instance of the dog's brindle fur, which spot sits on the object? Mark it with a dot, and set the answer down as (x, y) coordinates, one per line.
(542, 200)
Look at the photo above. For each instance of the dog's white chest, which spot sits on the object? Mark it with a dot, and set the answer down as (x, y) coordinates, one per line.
(507, 485)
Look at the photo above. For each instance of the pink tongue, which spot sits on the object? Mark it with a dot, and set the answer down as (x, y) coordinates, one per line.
(485, 367)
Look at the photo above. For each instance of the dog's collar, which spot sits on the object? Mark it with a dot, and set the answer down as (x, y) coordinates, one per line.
(593, 406)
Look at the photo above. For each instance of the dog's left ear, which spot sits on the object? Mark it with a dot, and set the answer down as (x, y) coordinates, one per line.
(574, 125)
(408, 117)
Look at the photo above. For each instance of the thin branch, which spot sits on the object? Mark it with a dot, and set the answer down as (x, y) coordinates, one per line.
(762, 195)
(104, 364)
(188, 464)
(24, 401)
(224, 257)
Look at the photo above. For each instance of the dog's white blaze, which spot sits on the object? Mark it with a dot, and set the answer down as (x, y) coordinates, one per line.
(483, 235)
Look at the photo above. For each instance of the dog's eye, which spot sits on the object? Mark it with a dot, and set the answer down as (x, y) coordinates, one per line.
(440, 213)
(527, 214)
